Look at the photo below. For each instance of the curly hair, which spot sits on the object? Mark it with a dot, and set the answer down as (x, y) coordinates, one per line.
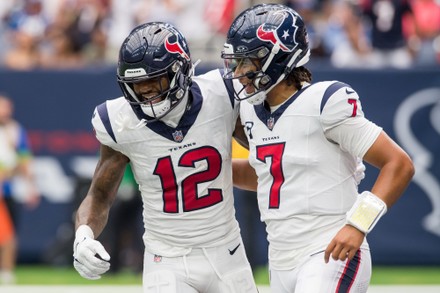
(298, 76)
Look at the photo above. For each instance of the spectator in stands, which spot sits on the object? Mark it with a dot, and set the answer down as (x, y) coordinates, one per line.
(25, 26)
(423, 31)
(28, 14)
(311, 13)
(62, 52)
(390, 47)
(15, 160)
(24, 53)
(345, 37)
(7, 243)
(5, 9)
(76, 35)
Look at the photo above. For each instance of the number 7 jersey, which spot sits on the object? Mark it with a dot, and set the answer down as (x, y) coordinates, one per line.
(304, 153)
(184, 173)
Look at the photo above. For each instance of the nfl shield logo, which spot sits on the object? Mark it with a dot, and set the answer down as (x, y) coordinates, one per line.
(270, 123)
(178, 136)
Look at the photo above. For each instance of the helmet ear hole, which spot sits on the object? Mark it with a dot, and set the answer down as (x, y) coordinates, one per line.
(180, 93)
(262, 52)
(265, 80)
(176, 67)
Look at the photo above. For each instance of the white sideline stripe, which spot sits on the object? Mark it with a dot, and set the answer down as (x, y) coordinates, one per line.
(138, 289)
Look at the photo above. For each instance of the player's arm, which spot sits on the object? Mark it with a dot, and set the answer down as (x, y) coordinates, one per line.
(364, 139)
(91, 259)
(396, 169)
(239, 134)
(243, 175)
(95, 207)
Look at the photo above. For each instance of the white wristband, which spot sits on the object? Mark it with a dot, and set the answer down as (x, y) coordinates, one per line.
(84, 231)
(366, 212)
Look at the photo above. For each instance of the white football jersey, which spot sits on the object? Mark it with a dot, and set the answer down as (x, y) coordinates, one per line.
(184, 173)
(304, 154)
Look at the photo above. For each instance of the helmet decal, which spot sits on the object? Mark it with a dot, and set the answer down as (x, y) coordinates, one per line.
(176, 48)
(277, 35)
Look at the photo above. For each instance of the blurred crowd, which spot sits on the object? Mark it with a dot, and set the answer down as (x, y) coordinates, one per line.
(68, 34)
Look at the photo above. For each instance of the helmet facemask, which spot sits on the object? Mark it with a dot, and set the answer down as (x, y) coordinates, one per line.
(165, 82)
(247, 68)
(156, 54)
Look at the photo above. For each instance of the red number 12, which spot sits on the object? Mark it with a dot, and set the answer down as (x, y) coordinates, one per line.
(191, 200)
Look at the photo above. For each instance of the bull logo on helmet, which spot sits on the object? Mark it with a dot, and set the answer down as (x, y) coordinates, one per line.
(176, 48)
(284, 33)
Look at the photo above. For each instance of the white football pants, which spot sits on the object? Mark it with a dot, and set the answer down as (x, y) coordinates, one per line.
(316, 276)
(223, 269)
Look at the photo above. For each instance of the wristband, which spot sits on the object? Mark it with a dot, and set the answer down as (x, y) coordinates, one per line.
(366, 212)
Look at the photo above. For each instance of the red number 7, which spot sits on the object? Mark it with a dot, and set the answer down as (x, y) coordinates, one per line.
(355, 106)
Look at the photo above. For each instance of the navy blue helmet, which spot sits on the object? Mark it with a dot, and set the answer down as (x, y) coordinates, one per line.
(155, 51)
(271, 36)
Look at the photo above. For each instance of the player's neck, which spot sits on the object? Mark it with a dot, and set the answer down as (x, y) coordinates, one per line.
(280, 93)
(173, 117)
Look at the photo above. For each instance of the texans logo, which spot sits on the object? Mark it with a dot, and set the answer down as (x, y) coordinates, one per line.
(286, 30)
(176, 48)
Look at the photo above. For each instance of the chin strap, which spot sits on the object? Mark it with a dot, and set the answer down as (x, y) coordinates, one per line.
(261, 96)
(193, 71)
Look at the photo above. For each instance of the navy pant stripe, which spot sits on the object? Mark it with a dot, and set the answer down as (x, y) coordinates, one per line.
(349, 275)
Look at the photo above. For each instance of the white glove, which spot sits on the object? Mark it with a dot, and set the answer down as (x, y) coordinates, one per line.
(359, 173)
(89, 256)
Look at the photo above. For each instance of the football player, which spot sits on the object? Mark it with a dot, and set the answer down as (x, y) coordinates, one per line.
(175, 130)
(304, 141)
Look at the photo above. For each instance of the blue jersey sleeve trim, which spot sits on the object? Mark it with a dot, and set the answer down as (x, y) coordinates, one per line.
(330, 91)
(103, 114)
(229, 87)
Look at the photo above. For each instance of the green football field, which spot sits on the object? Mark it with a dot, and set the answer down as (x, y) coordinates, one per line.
(46, 275)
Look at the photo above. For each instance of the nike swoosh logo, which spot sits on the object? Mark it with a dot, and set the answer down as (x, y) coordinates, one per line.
(348, 91)
(231, 252)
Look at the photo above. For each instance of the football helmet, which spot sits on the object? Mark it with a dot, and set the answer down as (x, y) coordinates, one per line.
(271, 40)
(156, 52)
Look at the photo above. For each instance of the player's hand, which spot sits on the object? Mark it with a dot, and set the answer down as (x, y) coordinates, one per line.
(345, 244)
(90, 258)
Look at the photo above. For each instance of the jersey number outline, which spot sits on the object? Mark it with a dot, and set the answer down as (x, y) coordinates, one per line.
(275, 152)
(190, 198)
